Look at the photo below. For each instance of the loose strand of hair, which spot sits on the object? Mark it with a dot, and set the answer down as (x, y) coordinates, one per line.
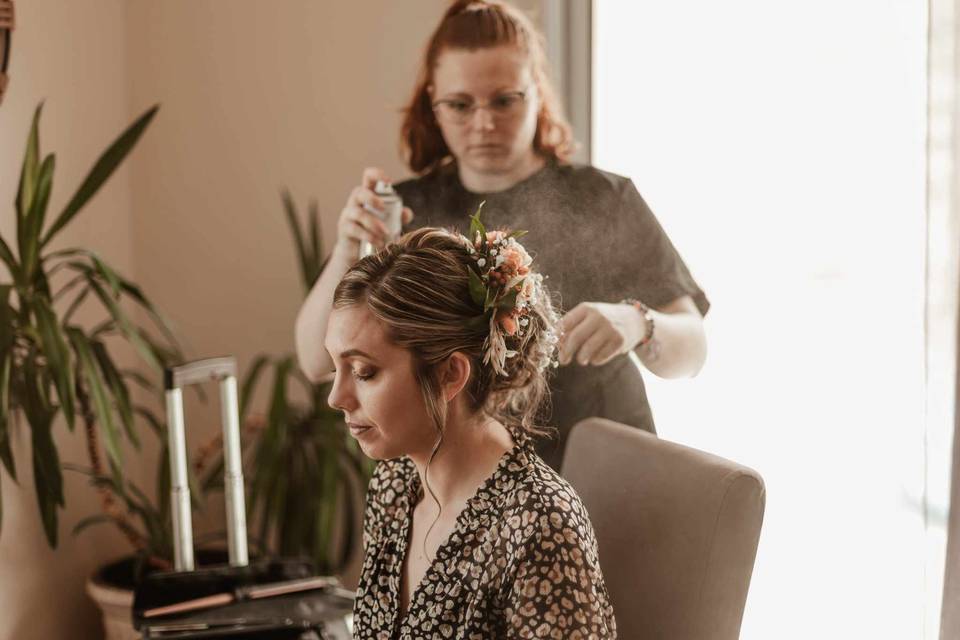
(426, 482)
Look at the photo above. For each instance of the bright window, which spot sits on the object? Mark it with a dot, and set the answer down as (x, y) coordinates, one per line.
(782, 146)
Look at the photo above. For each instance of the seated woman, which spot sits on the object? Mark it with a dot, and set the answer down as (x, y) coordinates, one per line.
(441, 347)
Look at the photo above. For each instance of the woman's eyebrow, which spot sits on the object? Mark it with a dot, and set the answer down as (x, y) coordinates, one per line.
(349, 353)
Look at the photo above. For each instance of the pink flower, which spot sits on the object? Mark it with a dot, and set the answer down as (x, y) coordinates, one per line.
(493, 236)
(507, 321)
(516, 260)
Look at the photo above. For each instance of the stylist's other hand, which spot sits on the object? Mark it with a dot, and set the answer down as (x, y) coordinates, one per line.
(596, 332)
(356, 223)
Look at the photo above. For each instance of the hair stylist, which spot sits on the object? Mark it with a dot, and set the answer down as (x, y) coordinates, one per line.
(484, 124)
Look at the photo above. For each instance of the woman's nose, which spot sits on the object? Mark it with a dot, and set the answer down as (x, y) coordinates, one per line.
(482, 118)
(340, 397)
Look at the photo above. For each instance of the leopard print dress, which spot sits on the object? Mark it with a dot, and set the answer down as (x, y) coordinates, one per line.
(521, 561)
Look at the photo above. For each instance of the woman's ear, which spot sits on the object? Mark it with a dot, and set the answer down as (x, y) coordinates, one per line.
(454, 375)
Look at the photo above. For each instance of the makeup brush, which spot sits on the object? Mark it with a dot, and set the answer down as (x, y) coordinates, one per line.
(246, 593)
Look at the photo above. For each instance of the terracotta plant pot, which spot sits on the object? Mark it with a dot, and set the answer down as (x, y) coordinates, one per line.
(116, 606)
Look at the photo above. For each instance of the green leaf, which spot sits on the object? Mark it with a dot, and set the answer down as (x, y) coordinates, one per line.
(250, 383)
(101, 268)
(95, 384)
(149, 515)
(30, 170)
(65, 288)
(126, 326)
(6, 255)
(478, 292)
(107, 272)
(28, 230)
(350, 523)
(152, 420)
(58, 356)
(75, 304)
(133, 291)
(6, 454)
(141, 380)
(279, 406)
(476, 226)
(316, 261)
(102, 170)
(48, 478)
(517, 234)
(7, 319)
(329, 501)
(118, 388)
(508, 301)
(488, 303)
(290, 210)
(118, 284)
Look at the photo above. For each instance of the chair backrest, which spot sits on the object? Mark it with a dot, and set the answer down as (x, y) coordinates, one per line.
(677, 530)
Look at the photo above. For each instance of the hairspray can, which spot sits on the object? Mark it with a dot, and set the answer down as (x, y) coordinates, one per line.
(391, 215)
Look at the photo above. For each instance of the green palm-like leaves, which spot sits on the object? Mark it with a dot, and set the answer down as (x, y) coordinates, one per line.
(307, 241)
(103, 169)
(50, 365)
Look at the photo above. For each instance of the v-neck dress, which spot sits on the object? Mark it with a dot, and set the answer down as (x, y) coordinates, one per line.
(521, 561)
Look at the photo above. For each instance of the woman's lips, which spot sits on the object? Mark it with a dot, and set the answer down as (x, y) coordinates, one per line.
(357, 430)
(487, 148)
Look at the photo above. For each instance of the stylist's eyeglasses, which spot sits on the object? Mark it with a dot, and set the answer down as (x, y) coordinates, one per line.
(504, 106)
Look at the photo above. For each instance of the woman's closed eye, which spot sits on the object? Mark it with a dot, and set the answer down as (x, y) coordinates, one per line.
(363, 374)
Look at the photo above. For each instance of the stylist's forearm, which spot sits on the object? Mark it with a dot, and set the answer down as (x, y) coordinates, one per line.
(311, 326)
(678, 348)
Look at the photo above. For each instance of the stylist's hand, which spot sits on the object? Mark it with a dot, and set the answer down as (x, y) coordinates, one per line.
(356, 223)
(595, 332)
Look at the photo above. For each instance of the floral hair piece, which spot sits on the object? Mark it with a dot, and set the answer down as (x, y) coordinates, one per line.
(502, 283)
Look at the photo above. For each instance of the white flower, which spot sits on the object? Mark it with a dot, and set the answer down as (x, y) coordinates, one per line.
(481, 262)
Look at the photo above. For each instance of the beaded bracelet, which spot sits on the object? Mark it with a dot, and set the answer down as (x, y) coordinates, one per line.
(647, 315)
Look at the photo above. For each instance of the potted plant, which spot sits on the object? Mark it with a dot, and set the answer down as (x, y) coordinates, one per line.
(53, 366)
(305, 474)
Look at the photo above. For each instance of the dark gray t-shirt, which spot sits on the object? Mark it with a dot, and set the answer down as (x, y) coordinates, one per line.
(595, 240)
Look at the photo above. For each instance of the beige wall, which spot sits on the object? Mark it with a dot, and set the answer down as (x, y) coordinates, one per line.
(254, 96)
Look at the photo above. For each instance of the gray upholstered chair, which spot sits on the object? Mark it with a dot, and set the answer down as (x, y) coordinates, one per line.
(677, 529)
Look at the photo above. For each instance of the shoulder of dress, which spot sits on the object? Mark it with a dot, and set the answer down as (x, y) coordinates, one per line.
(542, 491)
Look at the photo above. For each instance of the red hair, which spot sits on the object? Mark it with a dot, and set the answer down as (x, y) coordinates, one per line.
(471, 25)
